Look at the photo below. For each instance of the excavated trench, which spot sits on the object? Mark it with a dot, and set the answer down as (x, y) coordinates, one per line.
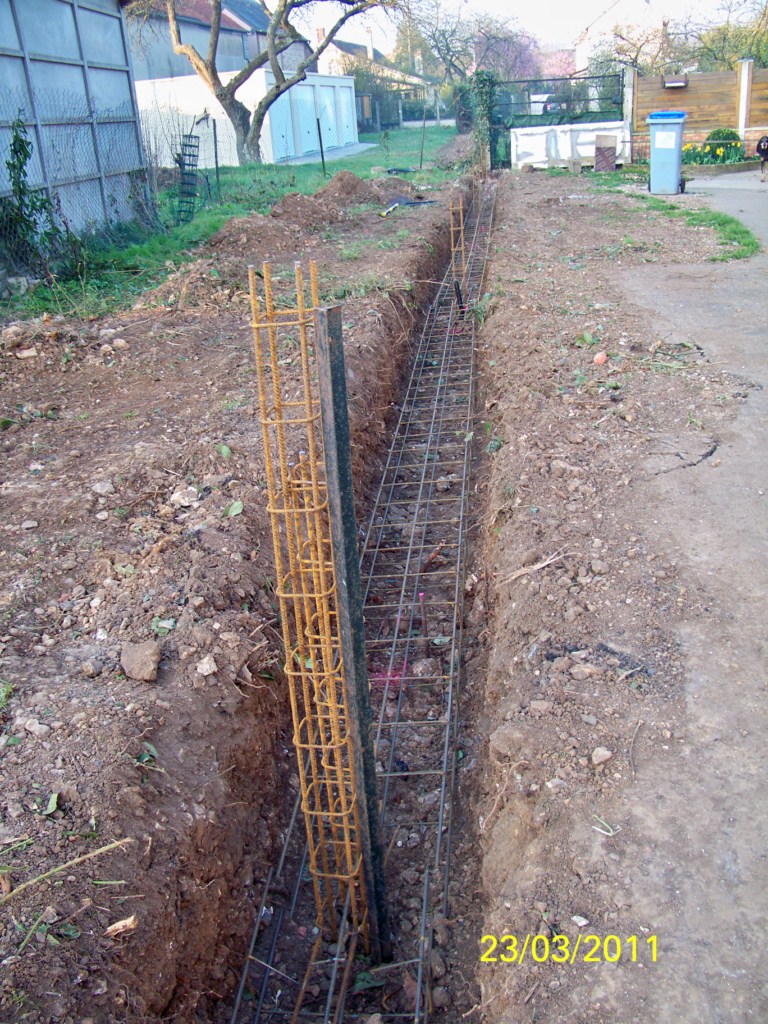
(198, 770)
(413, 574)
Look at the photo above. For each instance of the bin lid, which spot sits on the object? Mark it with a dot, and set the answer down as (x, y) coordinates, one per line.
(668, 115)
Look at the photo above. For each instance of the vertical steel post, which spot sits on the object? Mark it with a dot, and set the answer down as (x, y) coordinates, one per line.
(216, 160)
(320, 140)
(333, 404)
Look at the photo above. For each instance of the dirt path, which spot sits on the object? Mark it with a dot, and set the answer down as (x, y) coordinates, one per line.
(707, 875)
(626, 693)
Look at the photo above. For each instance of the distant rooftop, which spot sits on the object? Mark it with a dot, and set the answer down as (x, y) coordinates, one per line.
(248, 11)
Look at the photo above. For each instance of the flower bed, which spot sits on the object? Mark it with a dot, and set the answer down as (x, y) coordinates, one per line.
(711, 152)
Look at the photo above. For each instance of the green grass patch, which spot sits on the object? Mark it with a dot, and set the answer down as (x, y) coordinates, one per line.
(113, 275)
(629, 175)
(737, 240)
(6, 689)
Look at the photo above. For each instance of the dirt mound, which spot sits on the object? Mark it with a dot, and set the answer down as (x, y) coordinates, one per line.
(258, 234)
(309, 211)
(346, 186)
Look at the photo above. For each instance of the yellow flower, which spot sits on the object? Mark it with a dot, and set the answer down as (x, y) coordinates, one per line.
(688, 145)
(719, 151)
(706, 149)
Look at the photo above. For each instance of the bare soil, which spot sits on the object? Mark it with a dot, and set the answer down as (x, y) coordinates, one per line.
(131, 444)
(623, 675)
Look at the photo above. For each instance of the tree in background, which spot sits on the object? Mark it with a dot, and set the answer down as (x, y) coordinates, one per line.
(413, 53)
(739, 31)
(281, 34)
(508, 52)
(455, 42)
(649, 51)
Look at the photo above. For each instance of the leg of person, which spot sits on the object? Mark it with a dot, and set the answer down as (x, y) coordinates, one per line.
(762, 168)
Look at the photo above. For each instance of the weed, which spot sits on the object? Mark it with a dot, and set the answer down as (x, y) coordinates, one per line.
(231, 403)
(353, 251)
(585, 340)
(163, 626)
(6, 689)
(482, 309)
(693, 421)
(366, 285)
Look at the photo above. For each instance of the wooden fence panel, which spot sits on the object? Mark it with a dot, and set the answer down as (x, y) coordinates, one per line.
(758, 101)
(709, 99)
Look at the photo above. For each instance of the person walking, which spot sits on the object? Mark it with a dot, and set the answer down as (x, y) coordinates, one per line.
(762, 152)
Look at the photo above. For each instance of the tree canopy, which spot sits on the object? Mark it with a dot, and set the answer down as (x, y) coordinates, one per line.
(739, 31)
(453, 42)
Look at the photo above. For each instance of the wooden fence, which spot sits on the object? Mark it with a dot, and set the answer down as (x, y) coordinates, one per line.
(718, 99)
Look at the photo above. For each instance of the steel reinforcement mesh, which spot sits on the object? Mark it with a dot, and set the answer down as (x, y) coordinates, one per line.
(412, 568)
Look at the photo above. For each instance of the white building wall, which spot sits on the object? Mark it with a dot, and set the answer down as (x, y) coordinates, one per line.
(555, 145)
(170, 107)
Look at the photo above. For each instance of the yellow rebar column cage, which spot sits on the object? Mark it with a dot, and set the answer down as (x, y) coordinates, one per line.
(326, 730)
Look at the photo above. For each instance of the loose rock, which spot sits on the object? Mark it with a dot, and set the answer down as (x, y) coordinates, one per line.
(140, 661)
(207, 666)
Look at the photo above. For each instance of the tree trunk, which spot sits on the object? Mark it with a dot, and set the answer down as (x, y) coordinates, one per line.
(252, 143)
(240, 117)
(253, 140)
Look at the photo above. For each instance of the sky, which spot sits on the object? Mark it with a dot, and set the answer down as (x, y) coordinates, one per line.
(555, 23)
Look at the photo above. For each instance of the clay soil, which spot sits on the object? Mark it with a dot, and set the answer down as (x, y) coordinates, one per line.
(134, 512)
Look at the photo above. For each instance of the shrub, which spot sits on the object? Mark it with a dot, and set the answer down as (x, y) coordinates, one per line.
(723, 135)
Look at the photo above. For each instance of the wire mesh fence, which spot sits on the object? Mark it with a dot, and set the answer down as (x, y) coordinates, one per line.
(62, 181)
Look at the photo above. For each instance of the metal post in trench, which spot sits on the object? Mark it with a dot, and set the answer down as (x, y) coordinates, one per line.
(333, 405)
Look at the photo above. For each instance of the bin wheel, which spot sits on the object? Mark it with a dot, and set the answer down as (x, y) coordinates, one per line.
(682, 185)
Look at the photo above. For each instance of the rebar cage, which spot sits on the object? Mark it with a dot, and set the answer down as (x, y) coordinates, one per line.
(306, 592)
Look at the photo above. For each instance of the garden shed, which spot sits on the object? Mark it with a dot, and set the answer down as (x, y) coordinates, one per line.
(65, 72)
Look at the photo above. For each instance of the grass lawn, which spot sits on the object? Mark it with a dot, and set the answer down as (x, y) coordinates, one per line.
(111, 275)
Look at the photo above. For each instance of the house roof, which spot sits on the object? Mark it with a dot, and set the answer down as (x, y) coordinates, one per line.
(198, 11)
(360, 51)
(249, 12)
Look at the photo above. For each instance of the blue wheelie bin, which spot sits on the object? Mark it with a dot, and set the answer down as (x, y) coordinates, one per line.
(666, 151)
